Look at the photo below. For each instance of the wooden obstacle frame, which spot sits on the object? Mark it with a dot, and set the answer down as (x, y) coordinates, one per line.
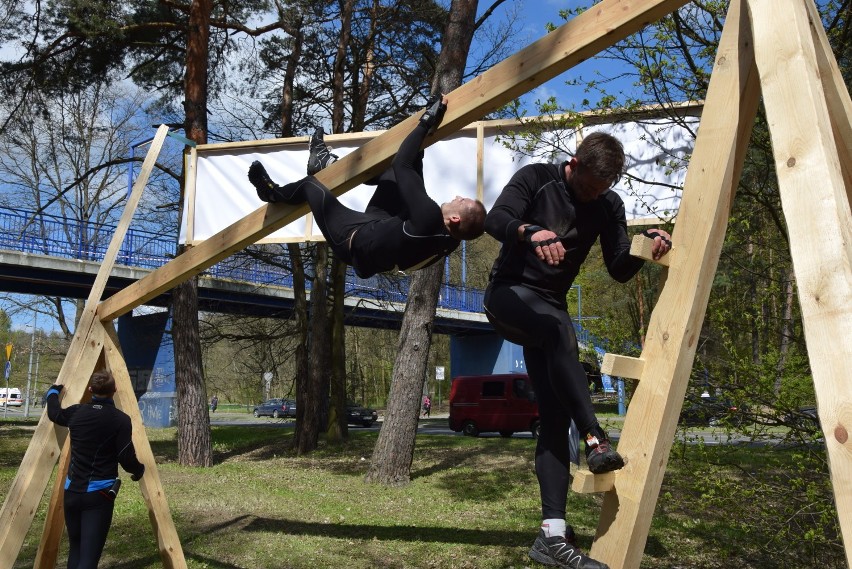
(764, 44)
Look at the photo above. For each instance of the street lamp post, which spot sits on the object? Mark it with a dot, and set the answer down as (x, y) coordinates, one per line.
(30, 368)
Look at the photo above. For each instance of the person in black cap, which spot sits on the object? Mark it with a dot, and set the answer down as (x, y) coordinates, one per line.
(402, 227)
(100, 441)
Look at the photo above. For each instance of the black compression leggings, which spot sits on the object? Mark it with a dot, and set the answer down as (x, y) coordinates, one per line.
(546, 333)
(404, 190)
(335, 220)
(88, 516)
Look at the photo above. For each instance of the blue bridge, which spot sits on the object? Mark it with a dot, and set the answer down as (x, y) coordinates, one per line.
(51, 255)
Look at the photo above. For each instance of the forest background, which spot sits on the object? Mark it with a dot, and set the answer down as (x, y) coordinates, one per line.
(83, 80)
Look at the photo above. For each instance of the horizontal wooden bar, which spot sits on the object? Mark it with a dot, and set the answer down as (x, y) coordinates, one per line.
(587, 483)
(622, 366)
(643, 247)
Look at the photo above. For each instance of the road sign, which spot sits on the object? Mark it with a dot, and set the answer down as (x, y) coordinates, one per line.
(439, 373)
(8, 369)
(8, 351)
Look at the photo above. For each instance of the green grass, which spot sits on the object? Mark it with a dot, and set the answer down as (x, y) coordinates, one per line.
(472, 503)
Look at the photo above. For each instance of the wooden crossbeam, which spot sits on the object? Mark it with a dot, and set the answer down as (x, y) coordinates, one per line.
(670, 343)
(819, 221)
(578, 39)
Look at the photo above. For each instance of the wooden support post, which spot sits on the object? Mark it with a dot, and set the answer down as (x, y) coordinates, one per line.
(837, 96)
(819, 220)
(29, 484)
(675, 323)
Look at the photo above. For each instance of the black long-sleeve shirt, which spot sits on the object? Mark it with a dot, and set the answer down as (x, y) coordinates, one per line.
(100, 440)
(539, 194)
(408, 231)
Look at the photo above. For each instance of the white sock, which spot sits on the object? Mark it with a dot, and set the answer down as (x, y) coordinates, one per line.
(553, 527)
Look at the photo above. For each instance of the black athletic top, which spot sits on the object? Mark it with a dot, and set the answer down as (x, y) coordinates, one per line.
(407, 232)
(100, 440)
(397, 244)
(539, 194)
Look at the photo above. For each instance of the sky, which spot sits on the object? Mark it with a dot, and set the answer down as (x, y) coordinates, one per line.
(535, 15)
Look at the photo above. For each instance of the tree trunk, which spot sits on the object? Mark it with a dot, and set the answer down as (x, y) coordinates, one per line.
(319, 348)
(339, 429)
(194, 446)
(786, 330)
(394, 451)
(300, 314)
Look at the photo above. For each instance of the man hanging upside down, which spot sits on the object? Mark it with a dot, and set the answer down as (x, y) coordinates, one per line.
(402, 227)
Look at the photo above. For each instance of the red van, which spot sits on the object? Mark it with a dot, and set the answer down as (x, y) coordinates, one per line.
(493, 403)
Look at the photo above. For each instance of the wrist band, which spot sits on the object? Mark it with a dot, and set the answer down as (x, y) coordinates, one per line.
(531, 230)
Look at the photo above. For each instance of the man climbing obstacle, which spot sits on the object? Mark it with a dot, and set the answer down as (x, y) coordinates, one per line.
(402, 227)
(548, 217)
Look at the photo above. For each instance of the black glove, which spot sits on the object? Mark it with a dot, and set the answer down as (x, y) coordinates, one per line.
(434, 113)
(55, 387)
(138, 475)
(654, 233)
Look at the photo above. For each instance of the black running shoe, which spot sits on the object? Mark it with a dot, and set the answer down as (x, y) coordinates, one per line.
(600, 455)
(562, 552)
(434, 113)
(266, 188)
(320, 156)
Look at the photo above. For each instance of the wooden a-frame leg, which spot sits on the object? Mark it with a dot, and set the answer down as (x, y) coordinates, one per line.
(815, 201)
(29, 484)
(675, 324)
(837, 96)
(168, 542)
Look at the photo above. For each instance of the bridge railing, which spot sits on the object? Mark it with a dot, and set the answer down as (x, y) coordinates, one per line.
(55, 236)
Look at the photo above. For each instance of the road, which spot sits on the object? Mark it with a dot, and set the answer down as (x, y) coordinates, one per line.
(437, 425)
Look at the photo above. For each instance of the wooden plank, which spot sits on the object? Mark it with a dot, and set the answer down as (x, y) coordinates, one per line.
(127, 216)
(171, 551)
(595, 29)
(622, 366)
(837, 95)
(819, 222)
(42, 453)
(54, 522)
(191, 172)
(587, 483)
(675, 324)
(643, 247)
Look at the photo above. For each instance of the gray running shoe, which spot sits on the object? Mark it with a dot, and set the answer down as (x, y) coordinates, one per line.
(562, 552)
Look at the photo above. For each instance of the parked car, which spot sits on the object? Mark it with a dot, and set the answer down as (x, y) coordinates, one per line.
(711, 411)
(276, 408)
(359, 415)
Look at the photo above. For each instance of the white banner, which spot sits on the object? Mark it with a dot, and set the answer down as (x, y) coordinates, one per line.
(656, 152)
